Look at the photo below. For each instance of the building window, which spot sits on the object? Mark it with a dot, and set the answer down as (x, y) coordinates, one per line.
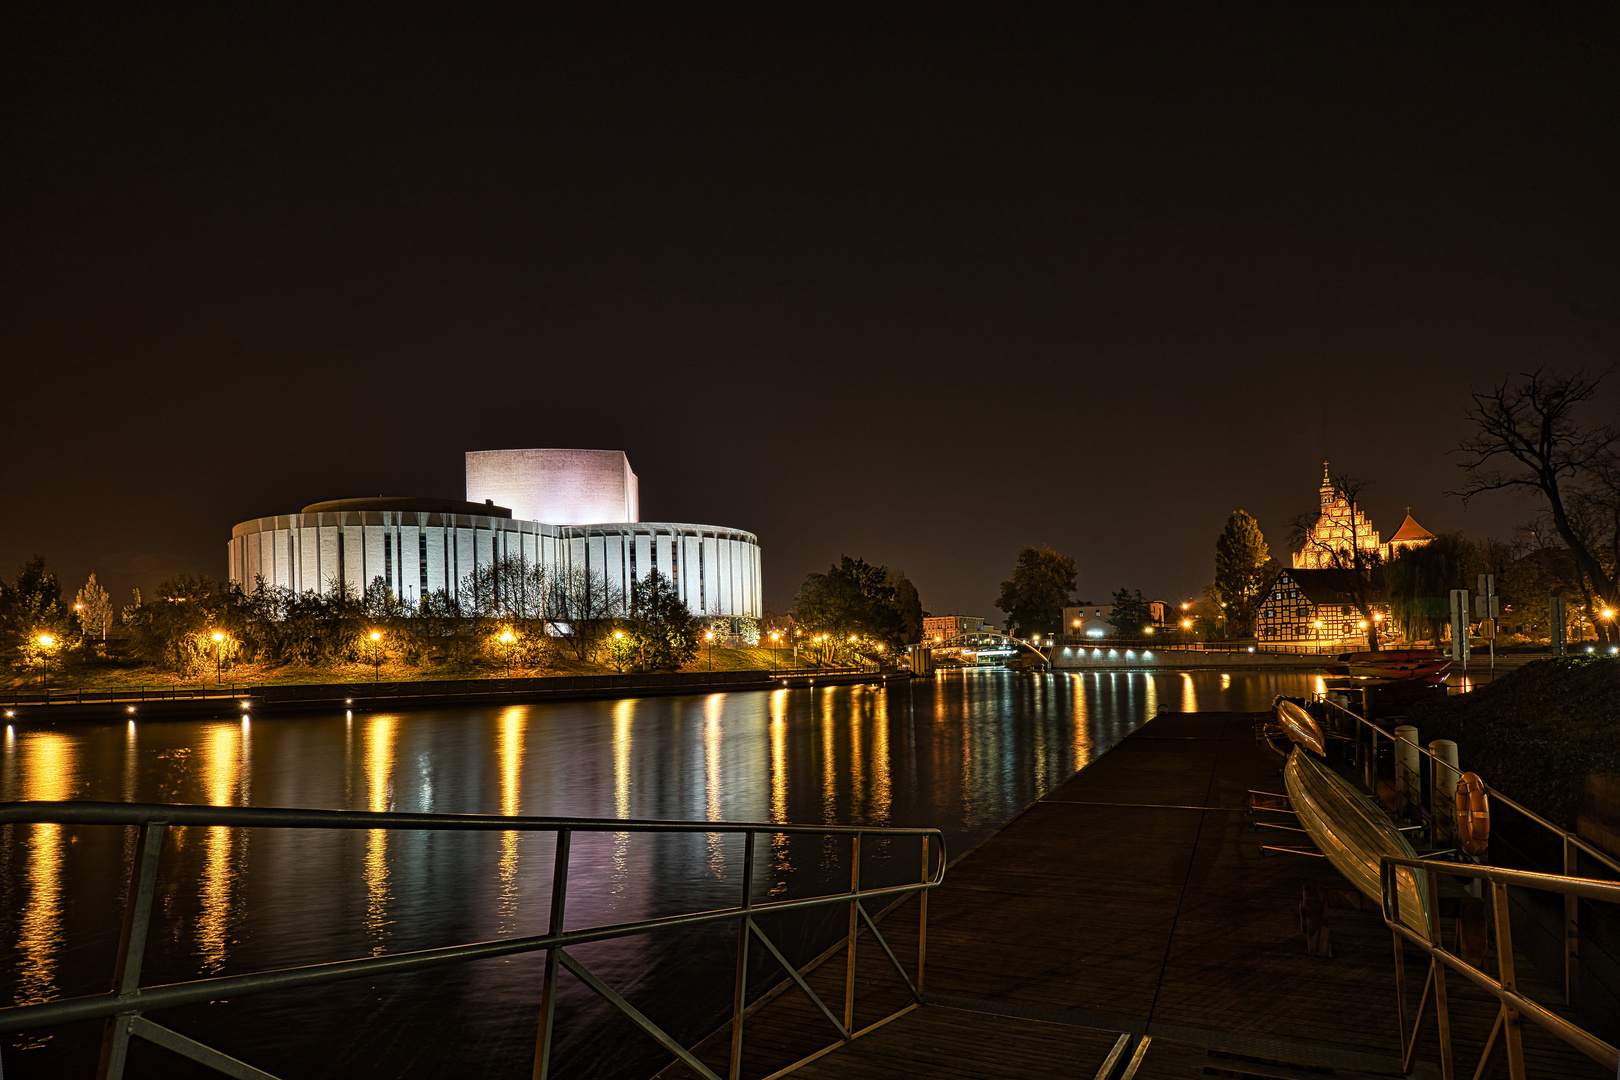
(388, 560)
(421, 560)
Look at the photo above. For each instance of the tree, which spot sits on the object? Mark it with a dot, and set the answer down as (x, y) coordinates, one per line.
(94, 606)
(1042, 584)
(1532, 435)
(1352, 563)
(662, 628)
(1131, 615)
(908, 603)
(30, 606)
(1243, 571)
(852, 599)
(1420, 581)
(581, 609)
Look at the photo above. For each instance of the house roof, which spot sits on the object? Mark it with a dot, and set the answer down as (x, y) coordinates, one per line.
(1411, 530)
(1334, 586)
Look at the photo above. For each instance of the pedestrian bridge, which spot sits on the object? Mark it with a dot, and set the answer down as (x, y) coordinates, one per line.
(988, 644)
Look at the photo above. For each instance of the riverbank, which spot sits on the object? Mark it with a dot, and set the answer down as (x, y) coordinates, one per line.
(262, 701)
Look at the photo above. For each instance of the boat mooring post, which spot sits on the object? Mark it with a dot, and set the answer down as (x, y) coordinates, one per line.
(1408, 774)
(1443, 792)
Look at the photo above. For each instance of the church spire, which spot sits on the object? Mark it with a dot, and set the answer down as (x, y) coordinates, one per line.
(1327, 485)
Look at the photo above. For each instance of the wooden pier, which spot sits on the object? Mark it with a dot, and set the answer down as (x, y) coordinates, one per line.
(1136, 899)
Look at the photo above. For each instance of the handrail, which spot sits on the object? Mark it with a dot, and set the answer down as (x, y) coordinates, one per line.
(1513, 1005)
(1564, 834)
(125, 1003)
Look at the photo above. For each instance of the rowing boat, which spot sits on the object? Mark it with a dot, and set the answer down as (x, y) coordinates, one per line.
(1354, 833)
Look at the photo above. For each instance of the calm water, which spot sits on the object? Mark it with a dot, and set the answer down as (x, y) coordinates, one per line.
(962, 752)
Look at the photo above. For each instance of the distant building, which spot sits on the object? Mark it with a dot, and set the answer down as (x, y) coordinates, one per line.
(1314, 611)
(1337, 528)
(590, 500)
(1089, 620)
(945, 627)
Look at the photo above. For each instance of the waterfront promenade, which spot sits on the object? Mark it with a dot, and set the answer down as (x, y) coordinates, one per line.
(1134, 899)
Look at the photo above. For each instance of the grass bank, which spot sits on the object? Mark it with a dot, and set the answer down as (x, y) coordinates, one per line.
(1537, 734)
(90, 677)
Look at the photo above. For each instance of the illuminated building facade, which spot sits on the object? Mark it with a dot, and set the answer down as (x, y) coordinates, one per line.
(1329, 542)
(1314, 611)
(417, 546)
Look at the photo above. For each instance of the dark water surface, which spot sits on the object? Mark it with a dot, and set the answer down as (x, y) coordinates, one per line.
(962, 752)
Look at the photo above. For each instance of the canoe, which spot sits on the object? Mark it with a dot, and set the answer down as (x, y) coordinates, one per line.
(1354, 833)
(1299, 725)
(1427, 665)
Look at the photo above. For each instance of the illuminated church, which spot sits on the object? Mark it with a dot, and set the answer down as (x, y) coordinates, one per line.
(1339, 527)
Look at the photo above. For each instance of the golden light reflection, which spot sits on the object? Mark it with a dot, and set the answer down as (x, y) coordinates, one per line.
(1152, 695)
(1082, 725)
(1226, 681)
(858, 705)
(47, 775)
(379, 765)
(624, 711)
(713, 706)
(1321, 686)
(881, 798)
(829, 759)
(780, 859)
(509, 763)
(222, 754)
(1189, 695)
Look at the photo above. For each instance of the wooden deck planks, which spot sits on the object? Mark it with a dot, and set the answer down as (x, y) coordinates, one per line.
(1136, 896)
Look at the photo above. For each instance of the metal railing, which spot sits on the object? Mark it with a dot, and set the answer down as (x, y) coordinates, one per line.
(124, 1006)
(1571, 846)
(1513, 1006)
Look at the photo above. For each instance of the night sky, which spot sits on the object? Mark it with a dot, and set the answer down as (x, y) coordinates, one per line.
(921, 292)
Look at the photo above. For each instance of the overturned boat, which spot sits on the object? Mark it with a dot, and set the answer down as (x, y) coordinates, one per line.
(1420, 665)
(1348, 827)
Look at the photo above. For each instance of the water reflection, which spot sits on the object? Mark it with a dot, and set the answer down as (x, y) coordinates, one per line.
(509, 762)
(47, 775)
(225, 768)
(379, 797)
(964, 752)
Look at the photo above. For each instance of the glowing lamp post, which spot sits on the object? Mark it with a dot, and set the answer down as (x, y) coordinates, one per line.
(376, 656)
(219, 667)
(47, 645)
(507, 640)
(776, 648)
(708, 635)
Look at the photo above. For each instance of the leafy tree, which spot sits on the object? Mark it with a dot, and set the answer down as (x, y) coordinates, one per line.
(909, 605)
(852, 599)
(1042, 584)
(1533, 436)
(175, 628)
(94, 606)
(661, 628)
(29, 606)
(1243, 571)
(1420, 581)
(1131, 615)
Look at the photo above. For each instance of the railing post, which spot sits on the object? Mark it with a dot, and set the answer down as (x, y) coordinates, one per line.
(1572, 927)
(922, 919)
(548, 988)
(131, 946)
(740, 994)
(854, 928)
(1512, 1036)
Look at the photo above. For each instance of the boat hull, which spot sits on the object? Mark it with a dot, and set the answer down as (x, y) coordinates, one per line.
(1354, 833)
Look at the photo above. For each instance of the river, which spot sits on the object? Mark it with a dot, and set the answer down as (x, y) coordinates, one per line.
(962, 752)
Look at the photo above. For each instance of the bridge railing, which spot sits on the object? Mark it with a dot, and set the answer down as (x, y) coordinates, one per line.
(124, 1007)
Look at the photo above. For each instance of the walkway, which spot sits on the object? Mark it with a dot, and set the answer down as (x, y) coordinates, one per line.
(1134, 898)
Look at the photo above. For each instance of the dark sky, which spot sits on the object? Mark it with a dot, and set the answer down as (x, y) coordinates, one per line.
(922, 293)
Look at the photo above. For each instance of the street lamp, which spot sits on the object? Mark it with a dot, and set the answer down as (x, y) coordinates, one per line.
(376, 656)
(219, 642)
(508, 639)
(708, 635)
(47, 644)
(776, 648)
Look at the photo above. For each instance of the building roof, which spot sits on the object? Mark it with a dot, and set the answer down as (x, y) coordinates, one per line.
(1410, 530)
(1333, 586)
(409, 502)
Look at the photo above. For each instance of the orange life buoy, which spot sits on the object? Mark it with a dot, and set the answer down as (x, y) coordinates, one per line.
(1473, 814)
